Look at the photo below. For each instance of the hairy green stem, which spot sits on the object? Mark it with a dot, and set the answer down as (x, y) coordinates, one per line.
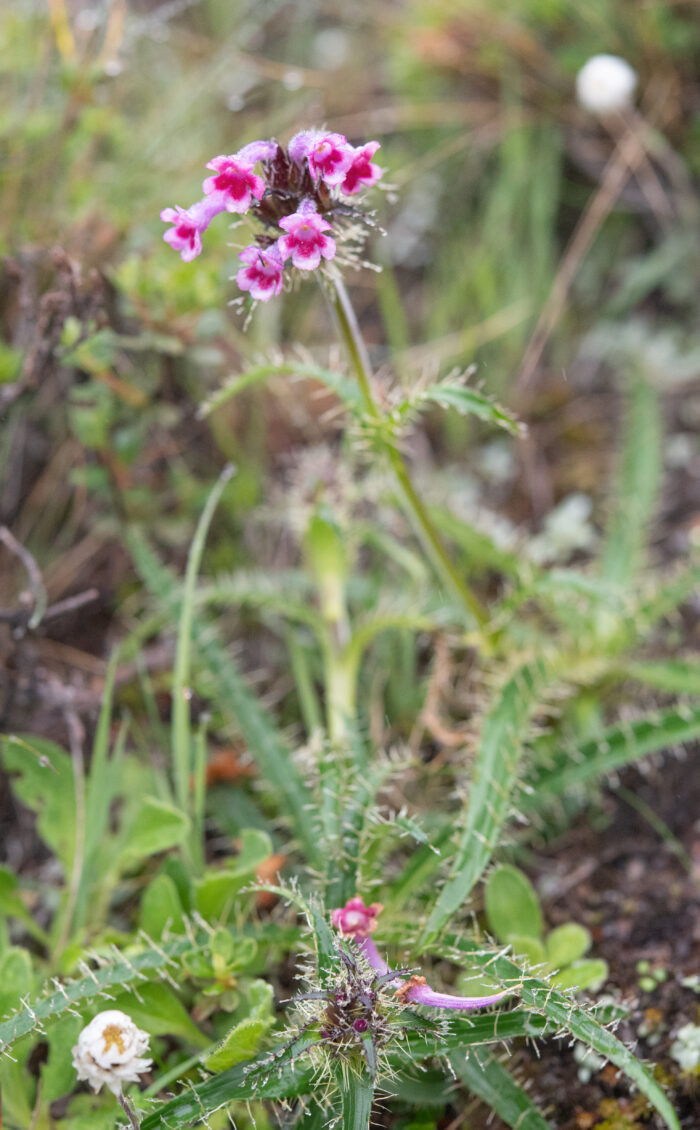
(420, 517)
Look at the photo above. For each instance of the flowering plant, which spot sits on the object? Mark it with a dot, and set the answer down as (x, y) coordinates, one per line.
(296, 198)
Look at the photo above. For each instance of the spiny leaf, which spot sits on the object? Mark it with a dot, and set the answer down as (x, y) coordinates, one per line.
(678, 676)
(495, 772)
(356, 1095)
(267, 1077)
(345, 389)
(482, 1073)
(565, 1015)
(615, 747)
(123, 970)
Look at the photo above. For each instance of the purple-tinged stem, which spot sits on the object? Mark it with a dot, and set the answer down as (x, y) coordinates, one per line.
(368, 948)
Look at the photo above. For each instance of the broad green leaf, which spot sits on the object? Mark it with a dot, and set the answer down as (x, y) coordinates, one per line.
(12, 906)
(161, 908)
(485, 1077)
(527, 949)
(58, 1074)
(582, 975)
(16, 1091)
(42, 778)
(512, 906)
(566, 944)
(243, 1040)
(494, 777)
(160, 1012)
(16, 977)
(215, 891)
(157, 827)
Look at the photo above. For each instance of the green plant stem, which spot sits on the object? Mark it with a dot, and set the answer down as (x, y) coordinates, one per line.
(422, 521)
(129, 1111)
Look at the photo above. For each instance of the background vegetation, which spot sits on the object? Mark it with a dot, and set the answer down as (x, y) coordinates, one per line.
(185, 727)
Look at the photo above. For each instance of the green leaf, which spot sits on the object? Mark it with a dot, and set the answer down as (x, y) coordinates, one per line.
(356, 1096)
(512, 906)
(485, 1077)
(678, 676)
(566, 944)
(344, 388)
(58, 1073)
(564, 1014)
(160, 1013)
(267, 1077)
(467, 401)
(582, 975)
(161, 908)
(239, 705)
(12, 906)
(243, 1040)
(637, 486)
(16, 977)
(494, 777)
(156, 827)
(530, 950)
(96, 982)
(615, 747)
(214, 893)
(43, 780)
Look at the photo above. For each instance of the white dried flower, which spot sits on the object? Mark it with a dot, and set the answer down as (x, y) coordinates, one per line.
(605, 83)
(109, 1051)
(685, 1049)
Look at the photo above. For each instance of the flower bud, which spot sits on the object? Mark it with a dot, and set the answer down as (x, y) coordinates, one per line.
(109, 1051)
(606, 83)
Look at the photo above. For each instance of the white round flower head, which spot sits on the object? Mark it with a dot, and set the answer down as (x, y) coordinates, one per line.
(605, 83)
(109, 1051)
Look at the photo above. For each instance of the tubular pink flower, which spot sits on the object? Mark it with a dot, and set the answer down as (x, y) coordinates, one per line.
(235, 180)
(418, 991)
(262, 275)
(329, 154)
(355, 920)
(256, 151)
(185, 235)
(362, 173)
(305, 241)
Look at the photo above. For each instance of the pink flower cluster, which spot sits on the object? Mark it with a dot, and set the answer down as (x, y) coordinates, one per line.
(292, 196)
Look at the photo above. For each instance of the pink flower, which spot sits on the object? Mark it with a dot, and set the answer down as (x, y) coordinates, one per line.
(362, 173)
(305, 241)
(263, 274)
(329, 154)
(355, 920)
(236, 181)
(188, 224)
(358, 921)
(418, 991)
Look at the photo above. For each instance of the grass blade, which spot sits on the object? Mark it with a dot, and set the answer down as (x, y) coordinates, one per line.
(638, 485)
